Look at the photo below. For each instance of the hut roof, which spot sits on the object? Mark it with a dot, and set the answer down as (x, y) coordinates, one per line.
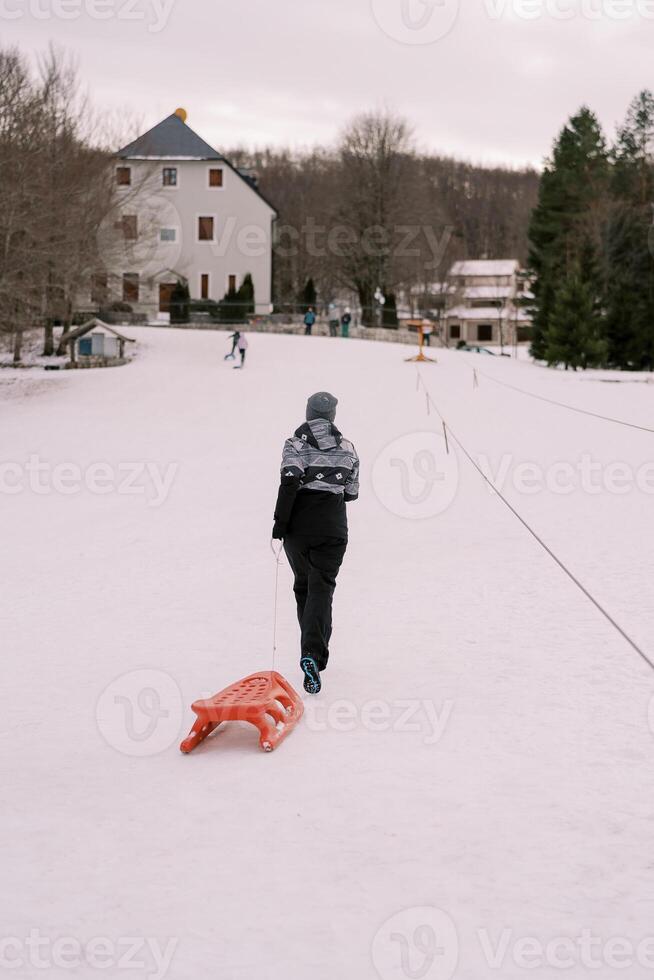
(71, 335)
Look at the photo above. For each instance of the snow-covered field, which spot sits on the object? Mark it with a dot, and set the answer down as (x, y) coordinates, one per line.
(471, 795)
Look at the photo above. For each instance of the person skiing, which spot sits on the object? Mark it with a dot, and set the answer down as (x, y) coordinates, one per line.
(319, 475)
(242, 347)
(309, 321)
(234, 339)
(346, 320)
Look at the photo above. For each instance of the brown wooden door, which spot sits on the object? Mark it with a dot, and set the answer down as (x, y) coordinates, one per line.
(165, 296)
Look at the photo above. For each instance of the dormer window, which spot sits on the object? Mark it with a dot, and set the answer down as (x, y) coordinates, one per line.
(124, 176)
(170, 177)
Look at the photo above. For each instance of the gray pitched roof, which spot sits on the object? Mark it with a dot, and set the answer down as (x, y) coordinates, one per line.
(171, 139)
(76, 332)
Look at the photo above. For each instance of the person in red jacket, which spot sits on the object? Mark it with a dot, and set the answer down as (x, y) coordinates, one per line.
(319, 476)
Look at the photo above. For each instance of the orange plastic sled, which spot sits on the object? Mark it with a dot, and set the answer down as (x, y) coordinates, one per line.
(266, 700)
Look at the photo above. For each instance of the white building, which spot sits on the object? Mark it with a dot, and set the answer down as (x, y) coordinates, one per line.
(186, 215)
(486, 296)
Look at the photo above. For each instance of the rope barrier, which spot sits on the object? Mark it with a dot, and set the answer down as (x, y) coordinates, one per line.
(632, 643)
(278, 562)
(553, 401)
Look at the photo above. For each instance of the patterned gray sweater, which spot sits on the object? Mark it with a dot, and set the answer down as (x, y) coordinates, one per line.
(320, 472)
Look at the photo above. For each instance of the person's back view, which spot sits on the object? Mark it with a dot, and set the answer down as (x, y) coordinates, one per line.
(320, 474)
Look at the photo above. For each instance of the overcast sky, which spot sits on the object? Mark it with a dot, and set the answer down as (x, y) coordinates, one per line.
(488, 80)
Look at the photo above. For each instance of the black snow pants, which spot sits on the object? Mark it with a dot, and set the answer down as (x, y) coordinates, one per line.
(316, 562)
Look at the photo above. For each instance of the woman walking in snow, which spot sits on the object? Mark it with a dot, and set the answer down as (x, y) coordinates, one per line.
(320, 474)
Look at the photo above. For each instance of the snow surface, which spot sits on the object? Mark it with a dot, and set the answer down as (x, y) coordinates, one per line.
(531, 813)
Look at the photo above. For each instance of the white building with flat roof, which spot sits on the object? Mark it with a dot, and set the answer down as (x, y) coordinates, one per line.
(186, 215)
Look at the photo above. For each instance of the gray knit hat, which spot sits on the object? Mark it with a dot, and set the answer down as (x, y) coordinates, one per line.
(322, 405)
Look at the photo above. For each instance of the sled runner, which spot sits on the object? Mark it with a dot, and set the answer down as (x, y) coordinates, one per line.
(266, 700)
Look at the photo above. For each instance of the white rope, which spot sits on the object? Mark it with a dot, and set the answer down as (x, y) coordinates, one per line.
(553, 401)
(632, 643)
(278, 562)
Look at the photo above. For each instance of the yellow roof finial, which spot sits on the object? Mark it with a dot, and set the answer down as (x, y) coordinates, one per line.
(182, 114)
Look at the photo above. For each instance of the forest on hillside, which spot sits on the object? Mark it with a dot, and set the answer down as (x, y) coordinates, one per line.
(374, 212)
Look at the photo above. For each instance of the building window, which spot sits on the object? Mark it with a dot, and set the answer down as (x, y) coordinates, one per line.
(99, 288)
(231, 284)
(130, 225)
(484, 333)
(169, 234)
(131, 284)
(455, 332)
(204, 285)
(215, 177)
(205, 229)
(170, 177)
(124, 176)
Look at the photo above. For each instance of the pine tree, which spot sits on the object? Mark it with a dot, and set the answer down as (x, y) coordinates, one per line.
(566, 225)
(246, 296)
(389, 311)
(574, 335)
(309, 296)
(630, 241)
(238, 304)
(180, 301)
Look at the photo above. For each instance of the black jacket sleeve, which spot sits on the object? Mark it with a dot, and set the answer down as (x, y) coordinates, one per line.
(286, 499)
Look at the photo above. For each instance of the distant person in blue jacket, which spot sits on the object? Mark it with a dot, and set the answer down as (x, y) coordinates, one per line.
(309, 321)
